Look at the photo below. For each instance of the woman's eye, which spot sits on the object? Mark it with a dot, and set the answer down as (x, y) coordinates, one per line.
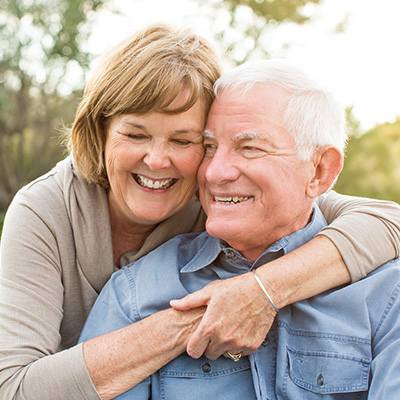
(182, 142)
(136, 136)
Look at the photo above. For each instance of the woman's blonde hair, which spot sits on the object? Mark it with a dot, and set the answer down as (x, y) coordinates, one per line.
(144, 73)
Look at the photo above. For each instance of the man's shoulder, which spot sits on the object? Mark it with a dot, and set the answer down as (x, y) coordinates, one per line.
(390, 268)
(155, 279)
(179, 250)
(378, 285)
(168, 259)
(371, 294)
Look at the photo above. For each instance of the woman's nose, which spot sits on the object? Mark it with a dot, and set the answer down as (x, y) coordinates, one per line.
(157, 157)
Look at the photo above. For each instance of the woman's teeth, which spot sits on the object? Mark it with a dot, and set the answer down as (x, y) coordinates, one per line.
(149, 183)
(230, 200)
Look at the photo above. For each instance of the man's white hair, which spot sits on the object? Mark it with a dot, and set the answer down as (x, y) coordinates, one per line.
(313, 117)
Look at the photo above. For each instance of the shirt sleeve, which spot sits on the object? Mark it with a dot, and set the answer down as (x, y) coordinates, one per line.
(31, 312)
(365, 231)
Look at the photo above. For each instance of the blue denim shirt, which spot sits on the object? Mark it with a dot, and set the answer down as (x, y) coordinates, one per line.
(343, 344)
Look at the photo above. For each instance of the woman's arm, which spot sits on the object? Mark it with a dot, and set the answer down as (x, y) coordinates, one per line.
(32, 308)
(126, 340)
(366, 234)
(365, 231)
(120, 360)
(44, 299)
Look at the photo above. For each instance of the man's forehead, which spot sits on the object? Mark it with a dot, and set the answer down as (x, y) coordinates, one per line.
(245, 135)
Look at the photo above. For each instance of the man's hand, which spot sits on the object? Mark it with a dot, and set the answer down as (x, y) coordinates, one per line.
(237, 319)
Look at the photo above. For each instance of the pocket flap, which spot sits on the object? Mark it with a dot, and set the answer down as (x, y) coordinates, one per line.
(187, 367)
(328, 372)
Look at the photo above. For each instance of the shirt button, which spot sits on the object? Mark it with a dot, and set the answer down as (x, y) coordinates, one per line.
(230, 253)
(265, 342)
(206, 367)
(320, 380)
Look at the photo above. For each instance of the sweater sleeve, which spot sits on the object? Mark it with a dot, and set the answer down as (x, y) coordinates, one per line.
(365, 231)
(32, 289)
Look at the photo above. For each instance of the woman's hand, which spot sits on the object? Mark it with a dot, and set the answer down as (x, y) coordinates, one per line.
(237, 319)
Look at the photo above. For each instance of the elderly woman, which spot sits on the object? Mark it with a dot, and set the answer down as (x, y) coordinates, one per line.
(127, 187)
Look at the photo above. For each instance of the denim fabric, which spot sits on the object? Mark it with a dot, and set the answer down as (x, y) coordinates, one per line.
(342, 345)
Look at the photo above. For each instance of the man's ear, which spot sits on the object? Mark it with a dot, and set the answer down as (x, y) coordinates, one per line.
(328, 162)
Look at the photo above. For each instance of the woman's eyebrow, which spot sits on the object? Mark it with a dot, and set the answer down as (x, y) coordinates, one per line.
(134, 124)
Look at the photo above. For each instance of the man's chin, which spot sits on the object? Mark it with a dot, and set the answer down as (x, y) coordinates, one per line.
(224, 229)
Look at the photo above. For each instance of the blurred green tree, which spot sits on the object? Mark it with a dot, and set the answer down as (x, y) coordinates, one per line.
(242, 27)
(372, 167)
(42, 67)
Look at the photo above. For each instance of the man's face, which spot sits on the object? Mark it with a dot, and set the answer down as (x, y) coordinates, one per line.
(252, 185)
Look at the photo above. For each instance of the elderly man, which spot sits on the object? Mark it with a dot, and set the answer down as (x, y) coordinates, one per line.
(273, 143)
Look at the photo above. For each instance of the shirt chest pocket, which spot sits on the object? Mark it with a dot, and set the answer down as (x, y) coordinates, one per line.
(186, 378)
(336, 376)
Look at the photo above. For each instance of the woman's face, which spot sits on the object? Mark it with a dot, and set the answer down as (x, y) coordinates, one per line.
(152, 161)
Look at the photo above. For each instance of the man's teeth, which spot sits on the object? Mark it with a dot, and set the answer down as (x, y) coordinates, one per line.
(230, 200)
(149, 183)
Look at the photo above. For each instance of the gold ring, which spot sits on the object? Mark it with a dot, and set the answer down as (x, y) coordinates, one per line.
(235, 357)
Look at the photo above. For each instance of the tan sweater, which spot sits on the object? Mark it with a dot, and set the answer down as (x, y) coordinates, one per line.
(56, 255)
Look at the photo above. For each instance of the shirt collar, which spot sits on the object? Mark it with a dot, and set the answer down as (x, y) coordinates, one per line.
(213, 247)
(206, 254)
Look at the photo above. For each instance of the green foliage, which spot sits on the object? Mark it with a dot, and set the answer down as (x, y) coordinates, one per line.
(2, 215)
(242, 26)
(372, 167)
(274, 10)
(42, 67)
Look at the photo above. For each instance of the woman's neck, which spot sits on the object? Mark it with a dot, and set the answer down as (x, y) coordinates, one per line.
(127, 235)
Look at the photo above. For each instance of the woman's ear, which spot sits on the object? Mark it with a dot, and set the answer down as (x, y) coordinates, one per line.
(328, 162)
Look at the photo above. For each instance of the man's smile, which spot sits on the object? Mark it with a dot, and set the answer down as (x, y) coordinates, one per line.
(230, 199)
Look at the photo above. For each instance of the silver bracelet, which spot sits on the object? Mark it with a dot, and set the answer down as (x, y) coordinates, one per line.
(264, 290)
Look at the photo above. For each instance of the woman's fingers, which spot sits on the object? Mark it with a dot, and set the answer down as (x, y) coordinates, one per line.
(237, 318)
(193, 300)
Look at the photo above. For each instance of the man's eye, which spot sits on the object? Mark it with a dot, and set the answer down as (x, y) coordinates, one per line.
(250, 148)
(210, 148)
(251, 152)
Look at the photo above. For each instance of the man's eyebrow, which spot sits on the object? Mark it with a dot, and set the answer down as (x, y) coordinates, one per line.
(207, 134)
(247, 136)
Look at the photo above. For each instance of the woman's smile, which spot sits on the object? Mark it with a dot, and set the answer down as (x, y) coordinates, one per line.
(154, 184)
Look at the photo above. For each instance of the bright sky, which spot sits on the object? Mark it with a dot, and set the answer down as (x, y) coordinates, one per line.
(361, 66)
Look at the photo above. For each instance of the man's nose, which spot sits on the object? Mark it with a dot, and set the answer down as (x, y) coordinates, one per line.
(157, 156)
(221, 168)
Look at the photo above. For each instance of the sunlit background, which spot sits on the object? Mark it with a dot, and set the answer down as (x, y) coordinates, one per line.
(351, 46)
(49, 47)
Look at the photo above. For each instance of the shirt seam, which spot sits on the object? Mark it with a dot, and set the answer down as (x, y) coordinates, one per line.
(324, 335)
(133, 292)
(389, 305)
